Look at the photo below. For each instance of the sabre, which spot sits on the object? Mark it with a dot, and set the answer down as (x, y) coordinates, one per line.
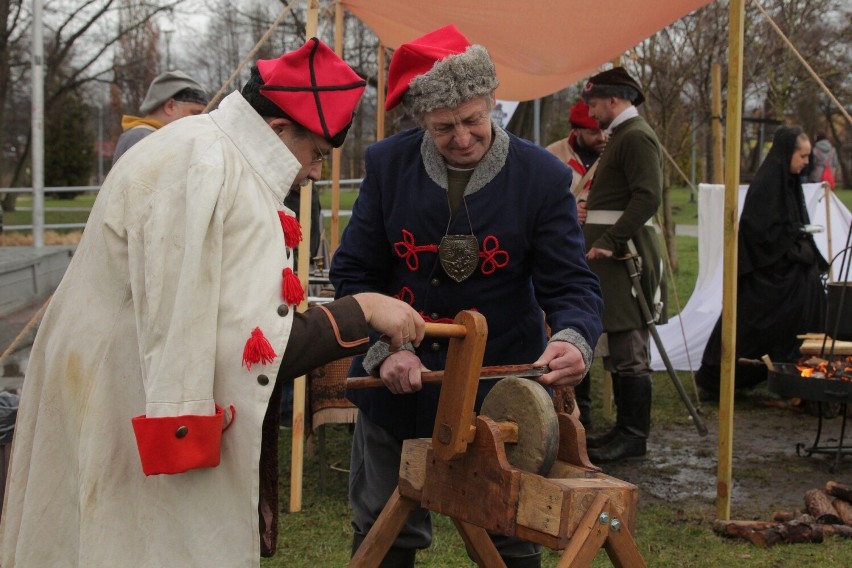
(634, 270)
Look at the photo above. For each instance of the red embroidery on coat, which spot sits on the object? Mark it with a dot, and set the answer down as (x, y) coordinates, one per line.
(494, 257)
(407, 296)
(407, 250)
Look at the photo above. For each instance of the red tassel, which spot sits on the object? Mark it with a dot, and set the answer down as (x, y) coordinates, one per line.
(291, 288)
(257, 350)
(292, 229)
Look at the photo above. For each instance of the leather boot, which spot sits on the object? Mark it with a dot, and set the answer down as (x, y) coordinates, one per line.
(395, 557)
(529, 561)
(583, 398)
(603, 439)
(632, 425)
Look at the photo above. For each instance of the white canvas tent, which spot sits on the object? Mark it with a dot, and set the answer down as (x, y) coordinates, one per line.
(685, 335)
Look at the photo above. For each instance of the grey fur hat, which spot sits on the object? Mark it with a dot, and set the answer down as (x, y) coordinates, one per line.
(167, 85)
(452, 81)
(440, 69)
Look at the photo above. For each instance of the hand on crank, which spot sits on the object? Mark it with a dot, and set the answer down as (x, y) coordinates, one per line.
(395, 320)
(567, 367)
(401, 372)
(598, 253)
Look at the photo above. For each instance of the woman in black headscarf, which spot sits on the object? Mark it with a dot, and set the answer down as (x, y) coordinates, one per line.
(780, 293)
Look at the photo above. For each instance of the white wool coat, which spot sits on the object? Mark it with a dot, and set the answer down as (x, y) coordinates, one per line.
(181, 259)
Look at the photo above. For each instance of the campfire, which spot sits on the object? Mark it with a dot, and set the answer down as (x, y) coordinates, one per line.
(839, 368)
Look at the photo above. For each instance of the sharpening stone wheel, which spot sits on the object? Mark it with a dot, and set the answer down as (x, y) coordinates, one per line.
(527, 404)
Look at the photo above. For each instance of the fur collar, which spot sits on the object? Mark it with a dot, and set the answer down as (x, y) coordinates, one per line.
(486, 170)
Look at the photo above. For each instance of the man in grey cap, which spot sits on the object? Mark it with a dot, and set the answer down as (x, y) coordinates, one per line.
(171, 95)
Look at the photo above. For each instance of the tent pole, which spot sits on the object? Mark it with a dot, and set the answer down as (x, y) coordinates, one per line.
(716, 103)
(733, 125)
(335, 153)
(297, 453)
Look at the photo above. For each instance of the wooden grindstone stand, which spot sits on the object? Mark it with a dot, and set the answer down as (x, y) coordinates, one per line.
(463, 472)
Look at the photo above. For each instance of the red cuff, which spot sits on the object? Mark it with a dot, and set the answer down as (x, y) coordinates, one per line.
(175, 444)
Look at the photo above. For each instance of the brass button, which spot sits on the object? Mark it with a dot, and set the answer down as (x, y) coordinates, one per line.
(181, 432)
(283, 310)
(436, 347)
(435, 282)
(263, 380)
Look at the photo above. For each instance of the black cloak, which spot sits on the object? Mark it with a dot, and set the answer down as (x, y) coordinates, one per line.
(780, 292)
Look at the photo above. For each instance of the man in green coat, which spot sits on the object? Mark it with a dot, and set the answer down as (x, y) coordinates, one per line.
(625, 194)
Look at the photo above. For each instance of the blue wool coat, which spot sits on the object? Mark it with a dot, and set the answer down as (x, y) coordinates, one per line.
(531, 258)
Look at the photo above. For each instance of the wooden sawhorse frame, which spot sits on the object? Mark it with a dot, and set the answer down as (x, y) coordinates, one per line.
(462, 472)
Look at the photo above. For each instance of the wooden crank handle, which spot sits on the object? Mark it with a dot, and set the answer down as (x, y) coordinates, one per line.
(451, 330)
(445, 330)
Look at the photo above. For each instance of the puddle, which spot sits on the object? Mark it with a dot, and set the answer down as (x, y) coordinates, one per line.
(767, 474)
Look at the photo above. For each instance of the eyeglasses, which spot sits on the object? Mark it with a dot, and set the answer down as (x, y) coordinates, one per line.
(319, 157)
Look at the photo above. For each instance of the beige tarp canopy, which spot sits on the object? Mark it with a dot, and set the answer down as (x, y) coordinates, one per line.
(538, 47)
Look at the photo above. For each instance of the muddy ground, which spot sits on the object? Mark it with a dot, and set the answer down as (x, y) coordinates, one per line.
(767, 473)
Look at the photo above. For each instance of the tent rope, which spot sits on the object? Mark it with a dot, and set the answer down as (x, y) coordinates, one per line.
(670, 274)
(263, 39)
(804, 62)
(680, 171)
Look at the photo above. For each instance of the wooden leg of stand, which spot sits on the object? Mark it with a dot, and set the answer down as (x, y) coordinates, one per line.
(588, 538)
(607, 395)
(479, 545)
(380, 538)
(622, 549)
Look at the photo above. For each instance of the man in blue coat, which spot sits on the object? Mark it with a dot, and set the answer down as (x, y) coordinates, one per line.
(458, 215)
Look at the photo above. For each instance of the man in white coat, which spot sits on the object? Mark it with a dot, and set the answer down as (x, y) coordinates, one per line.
(149, 398)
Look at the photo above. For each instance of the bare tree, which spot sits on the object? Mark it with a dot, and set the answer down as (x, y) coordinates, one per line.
(80, 37)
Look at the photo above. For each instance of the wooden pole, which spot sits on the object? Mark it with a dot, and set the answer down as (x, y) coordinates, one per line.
(380, 95)
(733, 125)
(335, 153)
(716, 103)
(297, 455)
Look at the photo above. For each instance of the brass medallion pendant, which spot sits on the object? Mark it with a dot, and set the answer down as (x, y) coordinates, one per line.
(459, 256)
